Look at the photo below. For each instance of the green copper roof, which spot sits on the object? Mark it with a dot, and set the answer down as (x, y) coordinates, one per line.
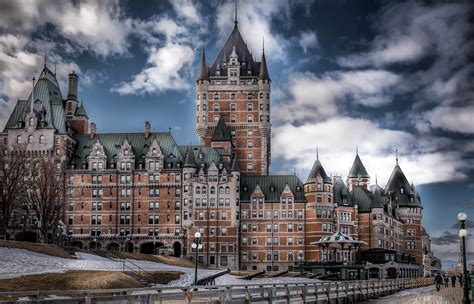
(318, 170)
(358, 169)
(190, 161)
(112, 143)
(204, 156)
(279, 182)
(399, 187)
(363, 198)
(81, 111)
(47, 98)
(342, 195)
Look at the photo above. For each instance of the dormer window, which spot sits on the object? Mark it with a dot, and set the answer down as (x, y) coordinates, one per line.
(154, 152)
(233, 72)
(401, 190)
(272, 188)
(18, 139)
(200, 155)
(32, 121)
(125, 152)
(30, 139)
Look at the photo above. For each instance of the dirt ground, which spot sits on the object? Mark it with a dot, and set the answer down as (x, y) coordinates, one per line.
(76, 280)
(49, 249)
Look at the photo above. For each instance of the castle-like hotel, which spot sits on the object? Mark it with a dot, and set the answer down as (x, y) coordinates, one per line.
(143, 192)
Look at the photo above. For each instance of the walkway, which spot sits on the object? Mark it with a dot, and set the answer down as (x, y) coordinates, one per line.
(424, 295)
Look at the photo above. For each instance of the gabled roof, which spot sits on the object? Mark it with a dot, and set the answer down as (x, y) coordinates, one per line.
(243, 54)
(235, 165)
(48, 98)
(112, 143)
(265, 182)
(222, 132)
(396, 183)
(204, 156)
(317, 170)
(358, 169)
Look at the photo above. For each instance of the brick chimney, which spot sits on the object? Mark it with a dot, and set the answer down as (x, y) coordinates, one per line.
(92, 131)
(147, 129)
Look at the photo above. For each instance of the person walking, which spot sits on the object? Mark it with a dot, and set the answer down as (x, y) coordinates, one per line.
(446, 280)
(453, 281)
(460, 279)
(438, 281)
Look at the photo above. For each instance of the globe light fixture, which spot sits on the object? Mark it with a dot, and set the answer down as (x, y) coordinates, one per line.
(462, 233)
(462, 216)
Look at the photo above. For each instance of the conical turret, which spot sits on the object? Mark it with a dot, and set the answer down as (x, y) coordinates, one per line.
(263, 73)
(203, 73)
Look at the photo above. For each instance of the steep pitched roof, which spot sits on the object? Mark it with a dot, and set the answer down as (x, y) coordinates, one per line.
(222, 132)
(317, 170)
(342, 195)
(204, 156)
(278, 182)
(203, 71)
(112, 143)
(47, 99)
(81, 111)
(190, 161)
(399, 186)
(263, 71)
(358, 169)
(235, 40)
(235, 165)
(364, 199)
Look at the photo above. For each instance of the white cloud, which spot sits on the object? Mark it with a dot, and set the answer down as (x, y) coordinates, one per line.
(337, 138)
(308, 40)
(162, 72)
(187, 10)
(315, 98)
(455, 119)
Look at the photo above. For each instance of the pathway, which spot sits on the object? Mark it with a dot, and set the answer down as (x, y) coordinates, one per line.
(424, 295)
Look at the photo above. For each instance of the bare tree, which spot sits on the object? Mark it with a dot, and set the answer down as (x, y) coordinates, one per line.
(12, 169)
(45, 193)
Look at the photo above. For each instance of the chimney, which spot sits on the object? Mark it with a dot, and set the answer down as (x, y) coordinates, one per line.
(92, 131)
(147, 129)
(73, 86)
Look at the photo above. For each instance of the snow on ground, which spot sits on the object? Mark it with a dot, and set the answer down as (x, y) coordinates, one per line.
(19, 262)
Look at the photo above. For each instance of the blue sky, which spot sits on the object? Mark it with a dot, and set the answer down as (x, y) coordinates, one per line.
(377, 75)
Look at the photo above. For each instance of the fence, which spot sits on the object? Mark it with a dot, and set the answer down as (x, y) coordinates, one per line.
(308, 292)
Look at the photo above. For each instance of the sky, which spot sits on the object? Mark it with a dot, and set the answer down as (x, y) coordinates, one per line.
(375, 75)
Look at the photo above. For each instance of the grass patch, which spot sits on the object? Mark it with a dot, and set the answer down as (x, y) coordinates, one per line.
(148, 257)
(241, 273)
(49, 249)
(78, 280)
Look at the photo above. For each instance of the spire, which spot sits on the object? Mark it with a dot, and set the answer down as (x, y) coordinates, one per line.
(190, 161)
(396, 156)
(376, 181)
(45, 58)
(358, 170)
(203, 73)
(235, 15)
(263, 73)
(357, 150)
(32, 96)
(317, 152)
(316, 170)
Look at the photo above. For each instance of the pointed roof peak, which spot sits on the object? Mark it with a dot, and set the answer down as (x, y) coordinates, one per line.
(222, 132)
(190, 161)
(203, 71)
(235, 15)
(263, 73)
(318, 170)
(358, 170)
(235, 165)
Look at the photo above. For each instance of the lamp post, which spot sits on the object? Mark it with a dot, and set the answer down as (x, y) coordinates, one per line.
(196, 245)
(300, 254)
(462, 234)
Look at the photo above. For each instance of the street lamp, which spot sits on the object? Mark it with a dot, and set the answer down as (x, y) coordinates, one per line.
(462, 234)
(196, 245)
(300, 254)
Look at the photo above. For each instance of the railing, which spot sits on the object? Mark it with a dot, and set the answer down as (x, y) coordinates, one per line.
(130, 268)
(316, 292)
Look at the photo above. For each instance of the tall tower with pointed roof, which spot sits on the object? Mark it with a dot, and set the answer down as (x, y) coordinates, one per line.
(358, 175)
(236, 89)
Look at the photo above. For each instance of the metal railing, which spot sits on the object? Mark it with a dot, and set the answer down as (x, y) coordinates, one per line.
(130, 268)
(307, 292)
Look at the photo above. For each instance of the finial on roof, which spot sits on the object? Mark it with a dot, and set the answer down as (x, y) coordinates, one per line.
(376, 182)
(263, 44)
(396, 156)
(317, 152)
(235, 14)
(169, 129)
(54, 68)
(44, 57)
(357, 150)
(294, 171)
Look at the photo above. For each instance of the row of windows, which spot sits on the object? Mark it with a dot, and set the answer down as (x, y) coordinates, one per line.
(291, 256)
(233, 107)
(233, 96)
(269, 214)
(125, 206)
(212, 190)
(127, 231)
(202, 202)
(126, 219)
(269, 227)
(233, 118)
(152, 192)
(224, 215)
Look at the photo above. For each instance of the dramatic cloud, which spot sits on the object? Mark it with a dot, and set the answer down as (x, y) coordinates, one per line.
(446, 238)
(162, 72)
(455, 119)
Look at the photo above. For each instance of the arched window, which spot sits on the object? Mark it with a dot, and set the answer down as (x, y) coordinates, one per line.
(232, 96)
(216, 96)
(32, 121)
(204, 119)
(204, 107)
(204, 189)
(261, 95)
(221, 190)
(204, 96)
(249, 96)
(216, 107)
(212, 190)
(198, 190)
(18, 139)
(198, 108)
(30, 139)
(41, 139)
(268, 95)
(227, 190)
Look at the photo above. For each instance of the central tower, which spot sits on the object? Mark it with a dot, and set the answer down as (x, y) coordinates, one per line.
(236, 88)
